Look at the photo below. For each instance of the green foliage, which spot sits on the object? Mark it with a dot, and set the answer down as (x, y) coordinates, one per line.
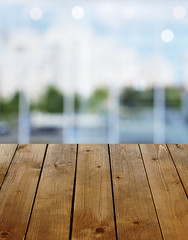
(51, 101)
(10, 106)
(77, 102)
(173, 97)
(98, 100)
(133, 98)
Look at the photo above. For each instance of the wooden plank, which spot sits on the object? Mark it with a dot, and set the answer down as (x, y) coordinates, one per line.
(135, 212)
(6, 154)
(179, 153)
(52, 210)
(93, 208)
(18, 190)
(169, 196)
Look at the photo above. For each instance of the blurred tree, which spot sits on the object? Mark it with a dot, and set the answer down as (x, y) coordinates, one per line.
(98, 100)
(77, 102)
(51, 101)
(133, 98)
(9, 106)
(173, 97)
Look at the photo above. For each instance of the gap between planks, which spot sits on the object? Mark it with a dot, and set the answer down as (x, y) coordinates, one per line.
(112, 189)
(93, 205)
(151, 192)
(175, 165)
(74, 188)
(36, 191)
(168, 193)
(19, 187)
(73, 196)
(51, 215)
(135, 214)
(7, 167)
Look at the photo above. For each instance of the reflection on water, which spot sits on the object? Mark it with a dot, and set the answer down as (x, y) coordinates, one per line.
(93, 128)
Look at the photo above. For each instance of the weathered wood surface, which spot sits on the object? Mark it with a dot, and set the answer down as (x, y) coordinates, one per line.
(135, 212)
(52, 210)
(18, 191)
(168, 193)
(124, 192)
(179, 155)
(93, 208)
(6, 154)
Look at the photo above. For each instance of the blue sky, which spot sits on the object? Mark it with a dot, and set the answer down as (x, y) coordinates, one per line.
(105, 18)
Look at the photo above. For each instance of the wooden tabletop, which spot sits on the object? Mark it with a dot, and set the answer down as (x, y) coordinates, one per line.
(125, 192)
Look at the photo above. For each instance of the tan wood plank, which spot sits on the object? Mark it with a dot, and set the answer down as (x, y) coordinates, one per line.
(18, 190)
(6, 153)
(135, 213)
(169, 196)
(179, 153)
(93, 208)
(51, 214)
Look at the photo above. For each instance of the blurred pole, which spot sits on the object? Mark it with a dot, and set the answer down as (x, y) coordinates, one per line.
(186, 105)
(84, 66)
(113, 101)
(113, 114)
(24, 95)
(185, 93)
(159, 104)
(24, 111)
(69, 105)
(68, 129)
(3, 41)
(0, 91)
(159, 114)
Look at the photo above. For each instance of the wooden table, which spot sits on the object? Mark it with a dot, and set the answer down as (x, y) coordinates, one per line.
(125, 192)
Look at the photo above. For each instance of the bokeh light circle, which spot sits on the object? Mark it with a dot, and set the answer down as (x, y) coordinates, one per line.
(36, 14)
(179, 12)
(167, 35)
(78, 12)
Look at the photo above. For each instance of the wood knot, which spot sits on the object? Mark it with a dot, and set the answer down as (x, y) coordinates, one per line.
(4, 234)
(56, 165)
(136, 222)
(99, 230)
(118, 177)
(176, 182)
(155, 158)
(179, 146)
(98, 166)
(22, 146)
(88, 150)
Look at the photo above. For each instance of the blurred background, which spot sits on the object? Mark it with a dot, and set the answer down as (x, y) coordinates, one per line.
(93, 71)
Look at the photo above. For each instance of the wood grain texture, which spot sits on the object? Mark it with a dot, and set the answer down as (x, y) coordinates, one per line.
(18, 190)
(135, 212)
(52, 210)
(179, 153)
(93, 208)
(6, 153)
(169, 196)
